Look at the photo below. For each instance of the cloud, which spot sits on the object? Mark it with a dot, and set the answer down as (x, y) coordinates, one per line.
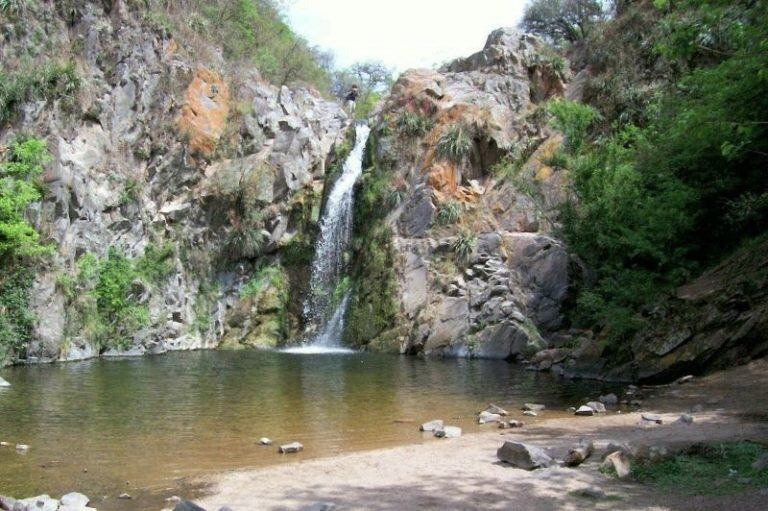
(401, 33)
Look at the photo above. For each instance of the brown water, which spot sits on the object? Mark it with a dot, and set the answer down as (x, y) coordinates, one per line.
(144, 426)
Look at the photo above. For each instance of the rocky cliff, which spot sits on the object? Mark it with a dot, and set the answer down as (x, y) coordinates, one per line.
(192, 184)
(464, 260)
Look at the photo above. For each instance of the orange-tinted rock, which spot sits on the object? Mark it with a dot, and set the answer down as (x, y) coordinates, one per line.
(442, 177)
(204, 115)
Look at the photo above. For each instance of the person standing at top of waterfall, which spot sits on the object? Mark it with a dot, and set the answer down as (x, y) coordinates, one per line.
(351, 98)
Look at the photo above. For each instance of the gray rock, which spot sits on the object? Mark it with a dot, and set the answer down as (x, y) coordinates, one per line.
(619, 462)
(4, 383)
(684, 379)
(6, 503)
(74, 500)
(530, 413)
(293, 447)
(609, 399)
(452, 432)
(265, 441)
(39, 503)
(533, 407)
(492, 408)
(523, 456)
(487, 417)
(597, 406)
(417, 214)
(125, 496)
(684, 419)
(577, 455)
(186, 505)
(761, 463)
(320, 506)
(584, 411)
(433, 425)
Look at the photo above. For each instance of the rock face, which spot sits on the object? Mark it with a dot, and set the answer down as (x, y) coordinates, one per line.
(527, 457)
(162, 147)
(505, 295)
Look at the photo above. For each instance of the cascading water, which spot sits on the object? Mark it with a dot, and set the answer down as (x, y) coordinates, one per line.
(328, 264)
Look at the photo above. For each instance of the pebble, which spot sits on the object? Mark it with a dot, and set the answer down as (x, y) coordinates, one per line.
(585, 411)
(22, 447)
(533, 407)
(433, 425)
(124, 496)
(530, 413)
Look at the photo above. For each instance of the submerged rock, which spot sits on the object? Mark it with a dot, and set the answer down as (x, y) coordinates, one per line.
(609, 399)
(533, 407)
(4, 383)
(265, 441)
(523, 456)
(291, 448)
(597, 406)
(74, 500)
(186, 505)
(684, 419)
(433, 425)
(584, 411)
(492, 408)
(486, 418)
(530, 413)
(577, 455)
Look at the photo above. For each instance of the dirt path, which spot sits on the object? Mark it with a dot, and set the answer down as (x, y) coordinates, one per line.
(464, 474)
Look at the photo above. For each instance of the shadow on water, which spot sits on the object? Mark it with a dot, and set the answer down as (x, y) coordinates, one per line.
(105, 427)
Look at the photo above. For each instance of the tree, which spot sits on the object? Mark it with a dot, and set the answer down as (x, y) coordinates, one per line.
(371, 77)
(563, 20)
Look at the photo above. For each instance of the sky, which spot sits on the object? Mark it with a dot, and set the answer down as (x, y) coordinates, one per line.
(401, 33)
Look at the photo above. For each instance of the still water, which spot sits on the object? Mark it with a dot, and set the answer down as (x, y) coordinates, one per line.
(146, 425)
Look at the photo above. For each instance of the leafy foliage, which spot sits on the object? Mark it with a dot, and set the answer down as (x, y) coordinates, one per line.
(573, 119)
(562, 20)
(455, 144)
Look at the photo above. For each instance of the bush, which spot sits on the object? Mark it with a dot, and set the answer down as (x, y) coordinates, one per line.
(572, 119)
(243, 242)
(16, 320)
(464, 245)
(448, 212)
(454, 144)
(49, 81)
(410, 124)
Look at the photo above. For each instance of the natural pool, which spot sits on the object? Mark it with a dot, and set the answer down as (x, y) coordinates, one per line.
(145, 425)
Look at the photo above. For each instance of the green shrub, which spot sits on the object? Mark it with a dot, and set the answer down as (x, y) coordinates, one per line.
(558, 160)
(266, 277)
(455, 144)
(49, 81)
(12, 6)
(448, 212)
(572, 119)
(464, 245)
(410, 124)
(720, 469)
(16, 320)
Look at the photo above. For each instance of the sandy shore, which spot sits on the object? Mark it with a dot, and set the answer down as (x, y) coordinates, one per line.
(464, 473)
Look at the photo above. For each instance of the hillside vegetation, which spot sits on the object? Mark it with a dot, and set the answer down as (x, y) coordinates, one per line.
(667, 153)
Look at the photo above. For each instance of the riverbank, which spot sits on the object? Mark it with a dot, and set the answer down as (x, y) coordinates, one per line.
(464, 473)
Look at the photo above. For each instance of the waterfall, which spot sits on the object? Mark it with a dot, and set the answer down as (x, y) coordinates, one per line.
(328, 265)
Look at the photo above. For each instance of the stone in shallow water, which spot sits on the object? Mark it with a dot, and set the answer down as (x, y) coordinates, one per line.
(265, 441)
(450, 432)
(523, 456)
(597, 406)
(22, 447)
(291, 448)
(651, 418)
(533, 407)
(530, 413)
(39, 503)
(492, 408)
(584, 411)
(433, 425)
(684, 419)
(186, 505)
(619, 462)
(577, 455)
(4, 383)
(609, 399)
(124, 496)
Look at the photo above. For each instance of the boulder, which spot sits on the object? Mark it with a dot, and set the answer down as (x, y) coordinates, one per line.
(530, 413)
(74, 500)
(6, 503)
(584, 411)
(523, 456)
(619, 462)
(597, 406)
(577, 455)
(609, 399)
(533, 407)
(433, 425)
(39, 503)
(186, 505)
(492, 408)
(293, 447)
(486, 418)
(449, 432)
